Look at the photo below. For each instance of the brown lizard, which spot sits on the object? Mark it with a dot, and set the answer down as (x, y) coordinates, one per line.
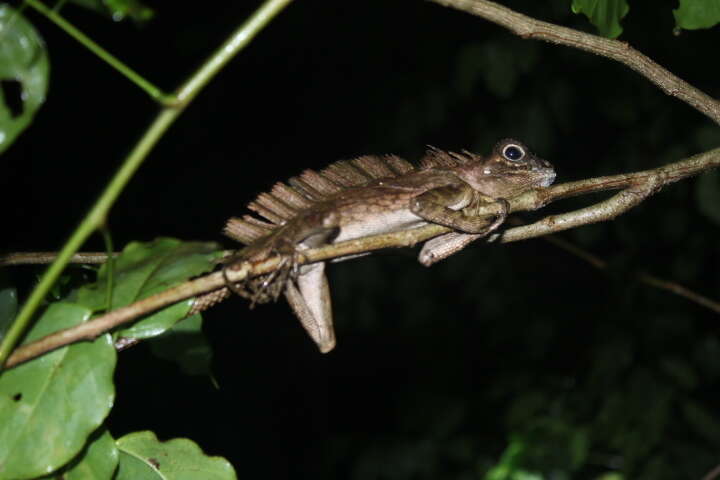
(372, 195)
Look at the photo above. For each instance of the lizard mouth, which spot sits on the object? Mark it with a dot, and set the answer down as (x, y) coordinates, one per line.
(548, 178)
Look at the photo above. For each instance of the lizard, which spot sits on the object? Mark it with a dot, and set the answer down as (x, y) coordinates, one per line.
(366, 196)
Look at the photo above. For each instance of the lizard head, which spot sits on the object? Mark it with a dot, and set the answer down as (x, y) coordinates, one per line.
(509, 170)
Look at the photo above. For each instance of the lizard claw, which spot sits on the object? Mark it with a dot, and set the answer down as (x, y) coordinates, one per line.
(267, 287)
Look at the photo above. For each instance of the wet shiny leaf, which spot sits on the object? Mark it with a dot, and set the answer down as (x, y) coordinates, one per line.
(186, 345)
(50, 405)
(144, 269)
(98, 461)
(144, 457)
(696, 14)
(604, 14)
(24, 72)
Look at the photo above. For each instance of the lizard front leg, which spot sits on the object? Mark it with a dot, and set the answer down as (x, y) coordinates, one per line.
(436, 206)
(309, 297)
(453, 207)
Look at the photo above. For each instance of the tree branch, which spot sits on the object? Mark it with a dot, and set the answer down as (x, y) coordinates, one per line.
(95, 218)
(528, 27)
(635, 187)
(41, 258)
(644, 277)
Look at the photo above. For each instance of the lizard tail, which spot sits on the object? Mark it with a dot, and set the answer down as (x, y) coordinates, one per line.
(203, 302)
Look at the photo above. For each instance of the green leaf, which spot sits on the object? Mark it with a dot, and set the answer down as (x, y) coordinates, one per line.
(604, 14)
(186, 345)
(144, 269)
(118, 10)
(143, 457)
(556, 444)
(50, 405)
(98, 461)
(24, 72)
(696, 14)
(8, 309)
(707, 195)
(509, 466)
(510, 460)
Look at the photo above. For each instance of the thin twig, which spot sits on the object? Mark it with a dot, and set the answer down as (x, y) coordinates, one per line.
(42, 258)
(531, 28)
(54, 16)
(38, 258)
(235, 43)
(712, 474)
(636, 187)
(644, 277)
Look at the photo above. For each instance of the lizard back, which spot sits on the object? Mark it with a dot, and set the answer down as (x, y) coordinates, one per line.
(285, 201)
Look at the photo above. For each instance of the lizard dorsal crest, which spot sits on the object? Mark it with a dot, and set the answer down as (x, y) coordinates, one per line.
(284, 201)
(436, 158)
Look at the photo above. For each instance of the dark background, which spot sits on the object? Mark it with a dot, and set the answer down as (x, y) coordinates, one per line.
(436, 370)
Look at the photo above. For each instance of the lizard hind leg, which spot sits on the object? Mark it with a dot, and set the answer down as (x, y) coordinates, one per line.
(441, 247)
(242, 289)
(309, 298)
(266, 287)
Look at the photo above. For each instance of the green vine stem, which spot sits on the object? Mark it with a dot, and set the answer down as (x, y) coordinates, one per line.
(95, 218)
(107, 239)
(55, 17)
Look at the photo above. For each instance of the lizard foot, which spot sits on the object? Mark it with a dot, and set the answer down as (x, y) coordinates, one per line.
(267, 287)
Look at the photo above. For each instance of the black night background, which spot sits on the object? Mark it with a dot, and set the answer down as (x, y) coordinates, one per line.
(437, 370)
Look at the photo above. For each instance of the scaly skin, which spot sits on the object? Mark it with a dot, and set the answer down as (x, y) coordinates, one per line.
(339, 204)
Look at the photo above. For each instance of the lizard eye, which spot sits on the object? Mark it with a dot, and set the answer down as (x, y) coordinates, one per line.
(513, 152)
